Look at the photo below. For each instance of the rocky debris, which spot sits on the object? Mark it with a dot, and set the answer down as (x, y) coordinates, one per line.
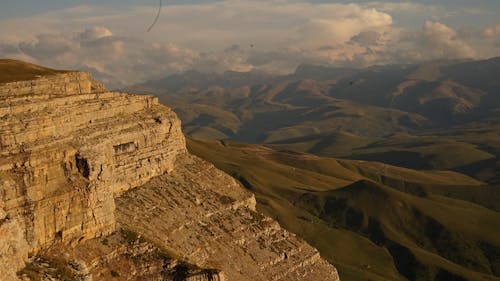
(204, 216)
(55, 269)
(122, 255)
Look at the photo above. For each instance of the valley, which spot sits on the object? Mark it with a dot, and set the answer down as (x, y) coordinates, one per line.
(372, 220)
(428, 116)
(390, 171)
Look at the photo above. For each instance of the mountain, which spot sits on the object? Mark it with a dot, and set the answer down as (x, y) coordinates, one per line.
(426, 116)
(442, 91)
(392, 172)
(283, 110)
(98, 185)
(374, 221)
(194, 80)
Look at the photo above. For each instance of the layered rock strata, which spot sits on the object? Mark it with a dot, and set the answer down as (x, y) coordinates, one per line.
(69, 149)
(13, 246)
(203, 214)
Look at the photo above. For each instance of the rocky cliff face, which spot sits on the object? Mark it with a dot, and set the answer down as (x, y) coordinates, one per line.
(69, 149)
(67, 146)
(205, 216)
(13, 246)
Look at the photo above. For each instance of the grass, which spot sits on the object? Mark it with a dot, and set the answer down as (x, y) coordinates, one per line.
(373, 221)
(14, 70)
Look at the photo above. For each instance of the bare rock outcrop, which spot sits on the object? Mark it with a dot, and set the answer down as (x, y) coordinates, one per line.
(13, 246)
(67, 146)
(76, 159)
(121, 256)
(204, 215)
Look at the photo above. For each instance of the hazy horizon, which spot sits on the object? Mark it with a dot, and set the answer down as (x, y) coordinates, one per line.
(110, 37)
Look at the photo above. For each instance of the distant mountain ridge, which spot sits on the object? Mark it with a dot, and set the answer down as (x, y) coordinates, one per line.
(431, 113)
(193, 79)
(443, 91)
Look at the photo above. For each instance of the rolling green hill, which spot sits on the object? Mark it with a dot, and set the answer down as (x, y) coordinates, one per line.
(14, 70)
(372, 220)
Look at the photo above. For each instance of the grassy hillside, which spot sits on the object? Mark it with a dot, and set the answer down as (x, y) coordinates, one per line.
(373, 221)
(14, 70)
(473, 150)
(418, 199)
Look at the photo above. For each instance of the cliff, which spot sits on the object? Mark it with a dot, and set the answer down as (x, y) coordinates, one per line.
(78, 162)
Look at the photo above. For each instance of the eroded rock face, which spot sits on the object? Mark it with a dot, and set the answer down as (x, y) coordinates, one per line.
(13, 246)
(67, 147)
(122, 256)
(69, 150)
(203, 214)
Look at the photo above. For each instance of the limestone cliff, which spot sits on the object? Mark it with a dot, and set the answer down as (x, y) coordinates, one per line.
(13, 246)
(204, 215)
(70, 149)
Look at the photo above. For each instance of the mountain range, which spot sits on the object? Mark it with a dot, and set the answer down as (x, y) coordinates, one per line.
(436, 115)
(392, 172)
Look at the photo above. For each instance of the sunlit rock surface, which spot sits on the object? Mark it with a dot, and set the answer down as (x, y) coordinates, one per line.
(69, 148)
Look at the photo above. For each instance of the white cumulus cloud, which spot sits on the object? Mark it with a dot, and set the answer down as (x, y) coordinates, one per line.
(243, 35)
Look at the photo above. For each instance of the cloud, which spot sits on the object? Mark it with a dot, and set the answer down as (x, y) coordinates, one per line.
(412, 7)
(434, 41)
(341, 25)
(242, 35)
(94, 33)
(492, 31)
(47, 46)
(119, 60)
(366, 38)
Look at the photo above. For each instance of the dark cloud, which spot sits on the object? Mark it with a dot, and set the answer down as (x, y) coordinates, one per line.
(366, 38)
(235, 48)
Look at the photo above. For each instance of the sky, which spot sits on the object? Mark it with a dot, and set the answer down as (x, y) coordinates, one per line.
(110, 37)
